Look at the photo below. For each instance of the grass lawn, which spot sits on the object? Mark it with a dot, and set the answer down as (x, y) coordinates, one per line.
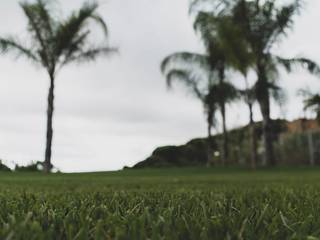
(191, 203)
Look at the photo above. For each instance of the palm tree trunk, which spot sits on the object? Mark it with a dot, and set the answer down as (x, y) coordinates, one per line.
(252, 129)
(264, 102)
(225, 144)
(267, 140)
(47, 163)
(253, 139)
(209, 149)
(225, 141)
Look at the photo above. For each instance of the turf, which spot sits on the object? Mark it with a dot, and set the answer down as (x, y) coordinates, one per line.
(162, 204)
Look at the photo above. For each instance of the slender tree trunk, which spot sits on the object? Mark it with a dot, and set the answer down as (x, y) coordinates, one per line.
(264, 102)
(253, 139)
(252, 128)
(209, 148)
(47, 162)
(225, 141)
(268, 142)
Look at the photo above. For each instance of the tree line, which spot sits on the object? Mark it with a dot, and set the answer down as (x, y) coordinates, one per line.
(238, 36)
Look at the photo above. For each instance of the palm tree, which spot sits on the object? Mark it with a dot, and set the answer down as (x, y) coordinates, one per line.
(261, 25)
(256, 27)
(218, 62)
(264, 25)
(55, 43)
(224, 93)
(241, 60)
(191, 69)
(203, 80)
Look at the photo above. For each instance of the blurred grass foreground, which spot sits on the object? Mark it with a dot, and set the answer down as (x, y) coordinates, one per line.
(190, 203)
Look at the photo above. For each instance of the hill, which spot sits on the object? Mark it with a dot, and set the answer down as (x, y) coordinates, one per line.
(290, 139)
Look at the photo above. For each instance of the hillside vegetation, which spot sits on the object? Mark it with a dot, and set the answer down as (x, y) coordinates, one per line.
(290, 142)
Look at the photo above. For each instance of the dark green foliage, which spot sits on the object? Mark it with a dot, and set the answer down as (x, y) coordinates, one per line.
(162, 204)
(194, 152)
(32, 167)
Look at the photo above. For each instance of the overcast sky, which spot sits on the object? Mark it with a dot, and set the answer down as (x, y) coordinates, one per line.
(116, 111)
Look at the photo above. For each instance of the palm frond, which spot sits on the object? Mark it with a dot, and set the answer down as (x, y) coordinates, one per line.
(76, 46)
(11, 44)
(187, 79)
(99, 20)
(89, 55)
(234, 46)
(205, 24)
(285, 15)
(278, 94)
(72, 33)
(89, 12)
(312, 102)
(224, 92)
(290, 64)
(279, 20)
(48, 23)
(39, 25)
(184, 59)
(217, 6)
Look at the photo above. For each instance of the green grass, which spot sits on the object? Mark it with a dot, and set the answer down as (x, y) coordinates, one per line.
(162, 204)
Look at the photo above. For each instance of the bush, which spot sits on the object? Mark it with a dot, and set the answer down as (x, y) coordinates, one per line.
(4, 168)
(32, 167)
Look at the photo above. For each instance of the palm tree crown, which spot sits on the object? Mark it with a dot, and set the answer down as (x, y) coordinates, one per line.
(55, 43)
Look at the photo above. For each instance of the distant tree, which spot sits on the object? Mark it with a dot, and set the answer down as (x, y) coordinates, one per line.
(55, 43)
(199, 85)
(259, 26)
(263, 24)
(194, 71)
(236, 53)
(218, 62)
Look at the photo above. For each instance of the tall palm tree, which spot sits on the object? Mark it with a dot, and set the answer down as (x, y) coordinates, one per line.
(260, 25)
(191, 69)
(218, 62)
(205, 82)
(55, 43)
(241, 60)
(264, 24)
